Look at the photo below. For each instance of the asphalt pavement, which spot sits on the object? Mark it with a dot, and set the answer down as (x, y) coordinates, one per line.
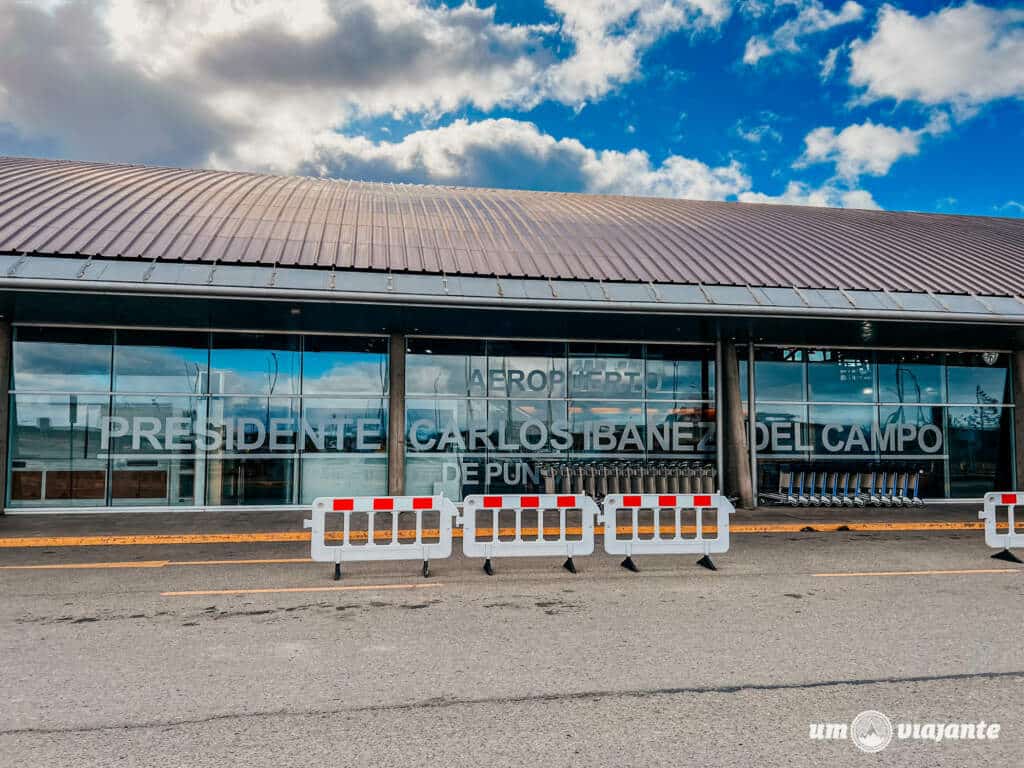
(164, 658)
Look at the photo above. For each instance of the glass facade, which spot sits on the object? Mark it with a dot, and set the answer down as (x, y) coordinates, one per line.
(130, 418)
(495, 416)
(945, 417)
(158, 418)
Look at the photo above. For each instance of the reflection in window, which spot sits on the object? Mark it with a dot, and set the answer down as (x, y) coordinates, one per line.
(340, 364)
(446, 426)
(256, 364)
(977, 378)
(843, 430)
(344, 426)
(687, 429)
(57, 457)
(779, 374)
(148, 361)
(517, 369)
(840, 376)
(442, 367)
(528, 426)
(61, 360)
(606, 371)
(607, 427)
(908, 377)
(680, 373)
(978, 443)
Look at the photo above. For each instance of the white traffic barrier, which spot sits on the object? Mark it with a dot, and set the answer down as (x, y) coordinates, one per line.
(528, 536)
(1004, 542)
(383, 542)
(663, 533)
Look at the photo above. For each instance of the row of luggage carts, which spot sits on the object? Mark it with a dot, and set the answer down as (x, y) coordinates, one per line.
(597, 479)
(886, 486)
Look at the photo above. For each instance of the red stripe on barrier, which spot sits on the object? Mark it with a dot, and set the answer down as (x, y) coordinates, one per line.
(1008, 498)
(529, 502)
(344, 505)
(424, 502)
(383, 504)
(492, 502)
(567, 501)
(702, 501)
(631, 501)
(666, 501)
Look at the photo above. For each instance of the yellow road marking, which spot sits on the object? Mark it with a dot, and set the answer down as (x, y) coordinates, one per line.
(62, 566)
(300, 536)
(923, 573)
(276, 590)
(261, 561)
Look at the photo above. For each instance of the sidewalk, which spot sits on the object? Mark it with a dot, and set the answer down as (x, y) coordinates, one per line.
(287, 525)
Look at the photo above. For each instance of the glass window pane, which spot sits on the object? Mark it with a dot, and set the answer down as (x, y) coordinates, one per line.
(150, 361)
(331, 425)
(255, 450)
(335, 474)
(977, 378)
(606, 371)
(452, 475)
(522, 369)
(835, 375)
(680, 428)
(57, 456)
(782, 431)
(680, 373)
(61, 360)
(528, 426)
(779, 374)
(152, 441)
(978, 443)
(842, 430)
(256, 364)
(344, 365)
(446, 426)
(441, 367)
(910, 377)
(607, 428)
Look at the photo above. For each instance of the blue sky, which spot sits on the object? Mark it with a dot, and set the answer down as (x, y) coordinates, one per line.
(905, 105)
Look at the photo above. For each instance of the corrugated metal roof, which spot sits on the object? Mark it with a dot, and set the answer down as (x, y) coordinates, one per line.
(214, 217)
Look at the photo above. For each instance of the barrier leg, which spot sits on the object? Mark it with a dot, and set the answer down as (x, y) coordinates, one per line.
(487, 567)
(569, 565)
(705, 562)
(629, 565)
(1008, 556)
(426, 569)
(337, 571)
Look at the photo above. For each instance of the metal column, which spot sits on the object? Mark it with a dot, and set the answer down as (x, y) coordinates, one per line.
(5, 402)
(752, 419)
(719, 420)
(396, 415)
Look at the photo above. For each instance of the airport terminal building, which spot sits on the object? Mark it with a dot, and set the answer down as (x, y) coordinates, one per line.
(180, 339)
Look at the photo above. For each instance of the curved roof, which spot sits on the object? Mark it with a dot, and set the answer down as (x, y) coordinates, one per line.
(102, 211)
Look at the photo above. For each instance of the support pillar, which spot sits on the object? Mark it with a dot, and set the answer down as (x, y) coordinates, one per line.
(396, 415)
(737, 458)
(5, 403)
(1018, 415)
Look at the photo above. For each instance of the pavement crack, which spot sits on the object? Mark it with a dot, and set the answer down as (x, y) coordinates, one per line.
(447, 703)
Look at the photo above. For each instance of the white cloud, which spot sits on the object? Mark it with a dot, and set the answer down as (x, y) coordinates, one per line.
(252, 82)
(964, 56)
(812, 17)
(827, 196)
(756, 134)
(609, 37)
(828, 64)
(512, 153)
(867, 148)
